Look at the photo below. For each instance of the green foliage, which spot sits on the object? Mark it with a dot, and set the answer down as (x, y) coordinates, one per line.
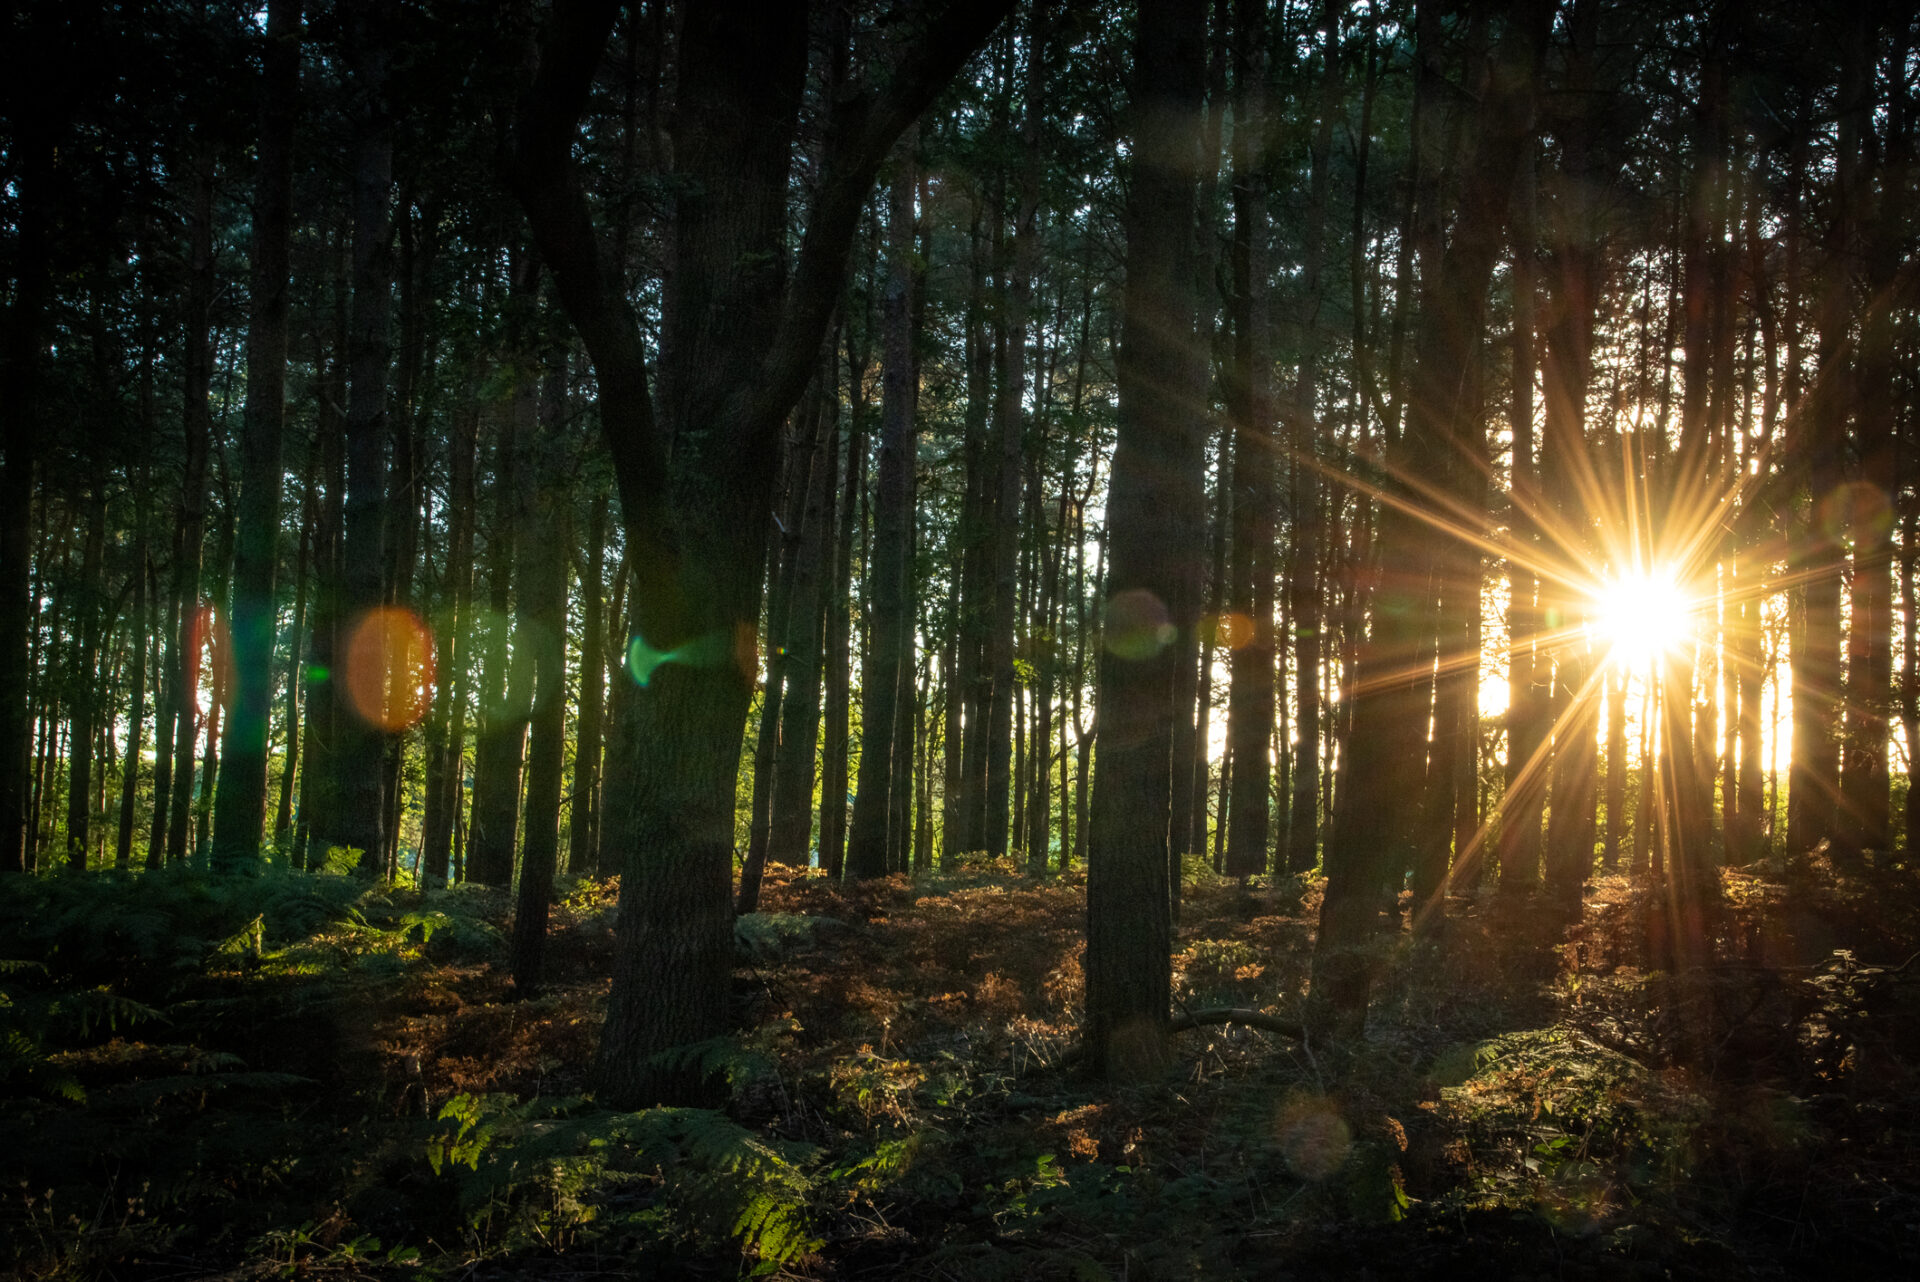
(34, 1014)
(767, 938)
(143, 931)
(547, 1169)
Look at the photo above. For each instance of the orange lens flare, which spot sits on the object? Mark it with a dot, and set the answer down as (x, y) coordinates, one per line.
(1233, 630)
(390, 668)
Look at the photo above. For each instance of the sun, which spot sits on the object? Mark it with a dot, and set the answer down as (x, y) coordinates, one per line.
(1642, 616)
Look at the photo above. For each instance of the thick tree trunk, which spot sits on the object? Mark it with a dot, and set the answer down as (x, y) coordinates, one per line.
(251, 618)
(737, 344)
(1155, 482)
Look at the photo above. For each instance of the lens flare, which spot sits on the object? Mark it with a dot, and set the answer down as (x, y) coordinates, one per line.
(390, 668)
(1138, 626)
(207, 635)
(1233, 630)
(1642, 616)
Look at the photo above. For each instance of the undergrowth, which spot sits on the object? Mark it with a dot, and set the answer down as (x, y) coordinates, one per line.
(308, 1075)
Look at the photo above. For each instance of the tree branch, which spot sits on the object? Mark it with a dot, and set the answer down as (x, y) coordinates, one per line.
(860, 132)
(538, 168)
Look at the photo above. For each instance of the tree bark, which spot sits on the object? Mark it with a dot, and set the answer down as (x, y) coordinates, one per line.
(363, 671)
(737, 343)
(1156, 479)
(541, 625)
(1249, 626)
(241, 815)
(807, 610)
(883, 682)
(89, 621)
(583, 840)
(1376, 815)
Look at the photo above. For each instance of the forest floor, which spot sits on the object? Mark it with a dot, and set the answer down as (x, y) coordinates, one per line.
(344, 1087)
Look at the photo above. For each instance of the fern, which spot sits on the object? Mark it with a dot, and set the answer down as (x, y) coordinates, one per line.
(765, 938)
(724, 1182)
(722, 1057)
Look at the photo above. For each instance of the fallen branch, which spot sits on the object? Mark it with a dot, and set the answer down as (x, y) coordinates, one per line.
(1238, 1015)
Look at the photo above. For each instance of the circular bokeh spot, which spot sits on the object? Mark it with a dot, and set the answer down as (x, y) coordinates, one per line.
(1313, 1136)
(1232, 630)
(1137, 624)
(1855, 512)
(390, 668)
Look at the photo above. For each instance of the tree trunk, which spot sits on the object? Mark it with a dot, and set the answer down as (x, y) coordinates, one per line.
(838, 665)
(737, 345)
(1249, 626)
(252, 617)
(1156, 480)
(359, 693)
(884, 680)
(541, 619)
(583, 848)
(89, 621)
(190, 531)
(446, 791)
(807, 610)
(1376, 819)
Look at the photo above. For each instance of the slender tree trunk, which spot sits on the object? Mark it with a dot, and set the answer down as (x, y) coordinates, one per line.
(505, 673)
(445, 789)
(1524, 798)
(881, 686)
(1250, 707)
(85, 683)
(359, 697)
(1814, 779)
(541, 618)
(32, 153)
(139, 628)
(190, 532)
(1006, 447)
(1865, 783)
(251, 618)
(290, 764)
(808, 609)
(835, 740)
(1382, 761)
(583, 851)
